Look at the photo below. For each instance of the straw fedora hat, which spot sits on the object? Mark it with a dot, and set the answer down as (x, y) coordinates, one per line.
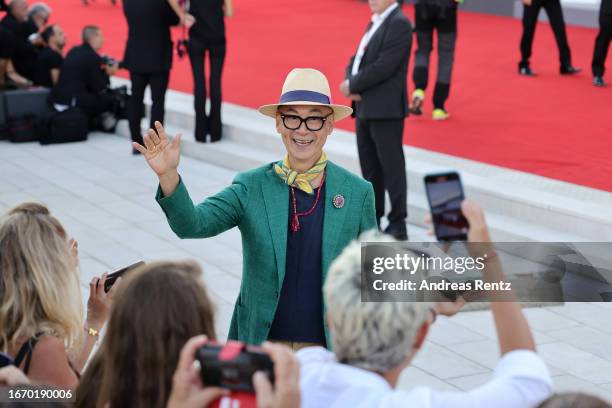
(306, 86)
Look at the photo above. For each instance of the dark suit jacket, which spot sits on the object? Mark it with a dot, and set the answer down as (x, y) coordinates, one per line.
(81, 75)
(606, 6)
(24, 53)
(149, 44)
(381, 80)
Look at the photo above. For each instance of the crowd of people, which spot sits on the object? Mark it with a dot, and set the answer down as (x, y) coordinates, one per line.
(33, 55)
(159, 316)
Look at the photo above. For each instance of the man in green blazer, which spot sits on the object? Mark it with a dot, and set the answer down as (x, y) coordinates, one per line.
(295, 216)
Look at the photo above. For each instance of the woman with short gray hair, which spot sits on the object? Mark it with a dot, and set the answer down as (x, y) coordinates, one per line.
(374, 342)
(370, 335)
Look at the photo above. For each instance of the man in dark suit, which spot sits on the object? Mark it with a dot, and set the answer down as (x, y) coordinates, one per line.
(24, 51)
(531, 11)
(376, 82)
(602, 42)
(85, 76)
(148, 57)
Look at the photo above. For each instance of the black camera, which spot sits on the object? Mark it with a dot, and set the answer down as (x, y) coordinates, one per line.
(182, 47)
(107, 60)
(232, 366)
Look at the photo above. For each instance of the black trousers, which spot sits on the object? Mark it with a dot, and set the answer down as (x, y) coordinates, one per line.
(159, 84)
(530, 20)
(210, 124)
(94, 105)
(430, 17)
(381, 156)
(602, 43)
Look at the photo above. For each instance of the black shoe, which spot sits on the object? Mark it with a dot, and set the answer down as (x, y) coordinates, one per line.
(526, 71)
(397, 231)
(598, 81)
(569, 70)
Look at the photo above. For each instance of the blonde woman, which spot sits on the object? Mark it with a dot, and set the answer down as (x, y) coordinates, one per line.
(41, 314)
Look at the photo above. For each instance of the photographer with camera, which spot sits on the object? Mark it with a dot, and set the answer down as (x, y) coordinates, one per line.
(148, 57)
(188, 392)
(84, 82)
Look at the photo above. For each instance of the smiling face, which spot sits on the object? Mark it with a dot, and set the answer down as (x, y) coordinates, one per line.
(304, 146)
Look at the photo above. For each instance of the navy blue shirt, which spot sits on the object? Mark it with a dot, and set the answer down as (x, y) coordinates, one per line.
(299, 313)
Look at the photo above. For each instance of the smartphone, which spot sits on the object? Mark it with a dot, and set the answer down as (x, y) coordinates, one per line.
(445, 194)
(232, 366)
(112, 277)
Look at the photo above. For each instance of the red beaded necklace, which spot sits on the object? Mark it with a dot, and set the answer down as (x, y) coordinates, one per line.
(295, 221)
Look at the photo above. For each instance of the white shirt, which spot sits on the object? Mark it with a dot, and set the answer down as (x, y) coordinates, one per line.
(520, 380)
(377, 20)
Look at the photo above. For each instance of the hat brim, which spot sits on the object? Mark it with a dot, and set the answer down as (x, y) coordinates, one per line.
(340, 111)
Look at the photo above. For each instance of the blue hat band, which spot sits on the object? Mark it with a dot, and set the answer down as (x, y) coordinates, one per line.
(303, 96)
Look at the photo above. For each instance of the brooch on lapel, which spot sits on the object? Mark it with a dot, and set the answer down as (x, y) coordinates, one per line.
(338, 201)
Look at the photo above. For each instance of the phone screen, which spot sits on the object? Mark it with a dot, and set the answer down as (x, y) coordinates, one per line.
(445, 194)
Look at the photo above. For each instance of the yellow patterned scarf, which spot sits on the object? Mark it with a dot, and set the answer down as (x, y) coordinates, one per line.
(300, 180)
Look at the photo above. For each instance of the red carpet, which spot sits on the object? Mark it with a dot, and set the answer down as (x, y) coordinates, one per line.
(553, 126)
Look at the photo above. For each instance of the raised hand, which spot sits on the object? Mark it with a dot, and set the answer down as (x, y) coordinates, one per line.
(161, 153)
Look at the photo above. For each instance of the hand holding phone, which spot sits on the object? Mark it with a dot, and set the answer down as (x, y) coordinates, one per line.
(112, 278)
(445, 195)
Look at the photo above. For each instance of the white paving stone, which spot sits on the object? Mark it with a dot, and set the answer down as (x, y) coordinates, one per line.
(412, 377)
(471, 381)
(446, 333)
(587, 339)
(577, 362)
(444, 364)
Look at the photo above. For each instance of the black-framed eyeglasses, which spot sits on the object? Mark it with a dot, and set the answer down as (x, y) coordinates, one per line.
(313, 123)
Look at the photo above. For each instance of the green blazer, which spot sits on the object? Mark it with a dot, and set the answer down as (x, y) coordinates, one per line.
(257, 202)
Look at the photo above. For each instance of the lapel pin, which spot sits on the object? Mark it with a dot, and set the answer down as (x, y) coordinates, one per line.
(338, 201)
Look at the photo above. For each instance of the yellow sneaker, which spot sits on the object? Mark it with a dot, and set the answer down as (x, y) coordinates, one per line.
(440, 114)
(416, 107)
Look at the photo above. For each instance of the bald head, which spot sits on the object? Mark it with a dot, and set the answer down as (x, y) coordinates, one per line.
(19, 9)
